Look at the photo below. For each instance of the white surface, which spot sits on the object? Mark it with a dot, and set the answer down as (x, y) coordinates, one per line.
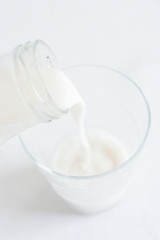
(121, 34)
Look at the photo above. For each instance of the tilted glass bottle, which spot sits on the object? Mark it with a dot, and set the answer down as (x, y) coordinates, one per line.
(24, 99)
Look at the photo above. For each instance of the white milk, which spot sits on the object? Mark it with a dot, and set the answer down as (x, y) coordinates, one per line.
(82, 156)
(61, 89)
(105, 154)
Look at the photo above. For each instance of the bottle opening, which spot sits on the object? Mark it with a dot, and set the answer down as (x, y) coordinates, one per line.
(30, 60)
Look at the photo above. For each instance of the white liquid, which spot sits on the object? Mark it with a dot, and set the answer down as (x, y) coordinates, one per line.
(66, 96)
(106, 153)
(81, 156)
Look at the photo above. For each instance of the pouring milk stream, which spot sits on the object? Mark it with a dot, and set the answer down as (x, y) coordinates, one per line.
(83, 155)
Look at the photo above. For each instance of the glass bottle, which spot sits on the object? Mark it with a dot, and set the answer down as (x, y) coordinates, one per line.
(24, 99)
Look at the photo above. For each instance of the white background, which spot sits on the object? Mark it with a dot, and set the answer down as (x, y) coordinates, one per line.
(121, 34)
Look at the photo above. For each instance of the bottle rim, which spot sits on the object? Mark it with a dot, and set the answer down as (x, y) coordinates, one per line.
(36, 54)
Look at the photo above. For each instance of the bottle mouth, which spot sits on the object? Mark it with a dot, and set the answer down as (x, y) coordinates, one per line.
(29, 60)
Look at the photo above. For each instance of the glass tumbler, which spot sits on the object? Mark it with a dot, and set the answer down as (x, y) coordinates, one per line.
(115, 105)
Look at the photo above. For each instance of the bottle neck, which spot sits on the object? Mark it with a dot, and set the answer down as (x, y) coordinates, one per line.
(29, 60)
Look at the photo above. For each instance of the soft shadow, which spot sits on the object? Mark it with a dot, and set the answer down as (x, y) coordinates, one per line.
(27, 190)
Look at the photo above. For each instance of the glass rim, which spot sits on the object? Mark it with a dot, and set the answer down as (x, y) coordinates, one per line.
(114, 170)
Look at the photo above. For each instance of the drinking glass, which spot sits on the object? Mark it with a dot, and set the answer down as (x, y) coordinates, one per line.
(114, 105)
